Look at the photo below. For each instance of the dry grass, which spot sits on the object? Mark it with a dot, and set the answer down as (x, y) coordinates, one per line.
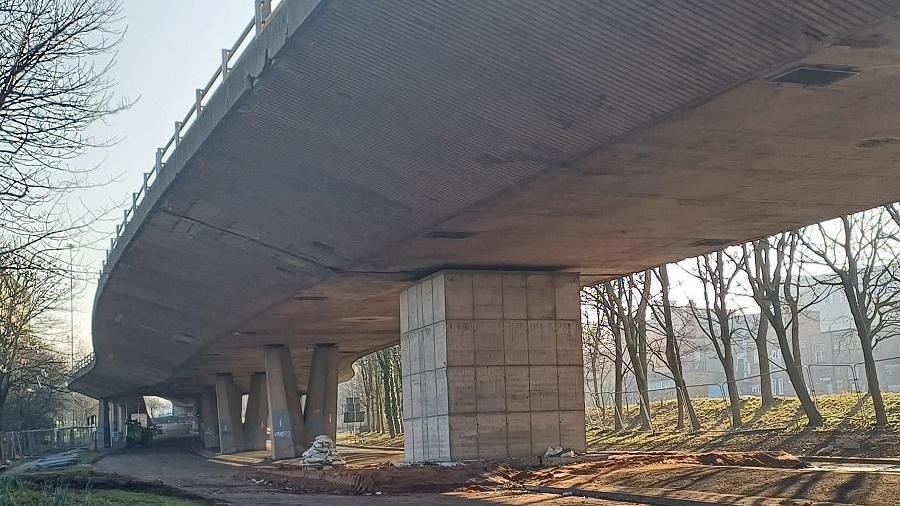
(847, 427)
(370, 439)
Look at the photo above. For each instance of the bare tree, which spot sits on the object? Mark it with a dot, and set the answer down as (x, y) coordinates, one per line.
(51, 90)
(775, 285)
(157, 406)
(662, 312)
(861, 253)
(717, 275)
(377, 381)
(629, 297)
(607, 343)
(30, 368)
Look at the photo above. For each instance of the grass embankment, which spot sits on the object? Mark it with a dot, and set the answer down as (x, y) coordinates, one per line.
(21, 492)
(845, 431)
(370, 439)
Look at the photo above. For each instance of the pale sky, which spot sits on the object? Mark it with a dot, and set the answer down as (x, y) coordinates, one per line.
(170, 48)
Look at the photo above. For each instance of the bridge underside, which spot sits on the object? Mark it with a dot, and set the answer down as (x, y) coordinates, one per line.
(380, 142)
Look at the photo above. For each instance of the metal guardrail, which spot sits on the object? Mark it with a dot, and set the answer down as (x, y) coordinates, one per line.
(77, 367)
(262, 13)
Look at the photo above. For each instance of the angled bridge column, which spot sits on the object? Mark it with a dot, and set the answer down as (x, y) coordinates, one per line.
(209, 418)
(228, 399)
(491, 365)
(320, 412)
(256, 419)
(288, 429)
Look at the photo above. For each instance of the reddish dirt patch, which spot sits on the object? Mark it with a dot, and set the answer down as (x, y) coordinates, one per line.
(479, 477)
(778, 460)
(388, 479)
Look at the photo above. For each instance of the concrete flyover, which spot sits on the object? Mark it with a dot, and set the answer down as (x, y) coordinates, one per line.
(356, 149)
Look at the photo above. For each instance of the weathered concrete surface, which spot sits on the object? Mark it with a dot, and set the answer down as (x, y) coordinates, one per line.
(256, 418)
(209, 418)
(288, 429)
(383, 141)
(228, 400)
(492, 365)
(320, 413)
(103, 436)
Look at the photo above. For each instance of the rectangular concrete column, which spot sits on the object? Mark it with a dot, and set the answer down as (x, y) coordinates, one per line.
(209, 416)
(114, 422)
(320, 411)
(256, 418)
(123, 420)
(103, 439)
(231, 433)
(491, 365)
(288, 429)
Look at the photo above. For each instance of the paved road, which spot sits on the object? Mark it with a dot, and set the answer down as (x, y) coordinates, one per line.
(171, 462)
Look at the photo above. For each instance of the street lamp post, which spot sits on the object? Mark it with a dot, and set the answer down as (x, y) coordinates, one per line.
(72, 324)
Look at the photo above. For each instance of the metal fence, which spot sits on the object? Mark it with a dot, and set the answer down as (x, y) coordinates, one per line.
(29, 443)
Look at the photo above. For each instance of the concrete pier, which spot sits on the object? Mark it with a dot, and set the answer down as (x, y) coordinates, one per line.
(231, 433)
(256, 418)
(320, 412)
(288, 429)
(123, 419)
(103, 439)
(492, 365)
(209, 417)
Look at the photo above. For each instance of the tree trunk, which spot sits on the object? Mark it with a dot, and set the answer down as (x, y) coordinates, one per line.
(688, 405)
(679, 422)
(388, 392)
(872, 383)
(673, 357)
(618, 394)
(594, 380)
(765, 370)
(795, 375)
(734, 399)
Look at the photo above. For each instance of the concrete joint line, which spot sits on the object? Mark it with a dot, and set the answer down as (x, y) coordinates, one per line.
(282, 251)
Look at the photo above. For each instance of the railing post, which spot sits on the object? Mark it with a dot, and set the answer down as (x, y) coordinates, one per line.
(177, 133)
(199, 103)
(225, 55)
(262, 11)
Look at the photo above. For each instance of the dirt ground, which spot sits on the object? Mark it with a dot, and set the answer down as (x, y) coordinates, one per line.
(757, 474)
(170, 462)
(372, 476)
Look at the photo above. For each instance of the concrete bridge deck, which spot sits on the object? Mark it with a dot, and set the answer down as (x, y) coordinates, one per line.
(356, 147)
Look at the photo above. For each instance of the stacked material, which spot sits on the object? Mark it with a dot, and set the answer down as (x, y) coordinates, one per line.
(322, 453)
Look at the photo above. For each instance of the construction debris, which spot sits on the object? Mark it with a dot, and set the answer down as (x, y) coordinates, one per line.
(322, 453)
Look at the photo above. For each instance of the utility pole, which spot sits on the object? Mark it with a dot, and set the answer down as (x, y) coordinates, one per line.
(72, 325)
(71, 307)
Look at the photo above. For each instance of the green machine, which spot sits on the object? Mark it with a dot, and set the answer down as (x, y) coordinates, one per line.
(137, 435)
